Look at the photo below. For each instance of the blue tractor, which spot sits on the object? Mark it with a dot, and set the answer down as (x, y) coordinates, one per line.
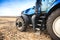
(44, 15)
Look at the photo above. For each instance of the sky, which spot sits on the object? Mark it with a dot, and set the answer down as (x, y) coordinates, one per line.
(14, 7)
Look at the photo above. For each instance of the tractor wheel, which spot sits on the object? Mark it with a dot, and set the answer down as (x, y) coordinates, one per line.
(20, 24)
(53, 24)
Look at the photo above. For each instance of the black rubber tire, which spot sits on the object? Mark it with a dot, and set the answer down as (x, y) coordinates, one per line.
(18, 24)
(50, 21)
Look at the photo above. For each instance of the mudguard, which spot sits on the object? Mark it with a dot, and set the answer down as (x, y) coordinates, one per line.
(54, 4)
(25, 18)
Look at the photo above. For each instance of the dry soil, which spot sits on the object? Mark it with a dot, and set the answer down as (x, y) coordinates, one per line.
(8, 31)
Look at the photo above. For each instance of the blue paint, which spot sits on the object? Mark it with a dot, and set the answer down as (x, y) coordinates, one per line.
(29, 11)
(46, 6)
(55, 3)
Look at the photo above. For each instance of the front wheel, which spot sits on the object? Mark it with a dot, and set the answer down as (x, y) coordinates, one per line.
(53, 24)
(20, 24)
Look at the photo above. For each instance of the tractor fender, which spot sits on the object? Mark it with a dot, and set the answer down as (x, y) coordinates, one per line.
(25, 18)
(53, 5)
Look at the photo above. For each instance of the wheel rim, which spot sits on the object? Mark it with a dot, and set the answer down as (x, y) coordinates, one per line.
(56, 26)
(19, 24)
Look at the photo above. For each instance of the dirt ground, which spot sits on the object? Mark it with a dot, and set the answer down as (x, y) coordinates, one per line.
(8, 31)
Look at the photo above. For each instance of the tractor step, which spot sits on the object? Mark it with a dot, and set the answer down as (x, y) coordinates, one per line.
(38, 24)
(41, 21)
(42, 17)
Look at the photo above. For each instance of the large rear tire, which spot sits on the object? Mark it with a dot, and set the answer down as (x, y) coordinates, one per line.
(20, 24)
(53, 26)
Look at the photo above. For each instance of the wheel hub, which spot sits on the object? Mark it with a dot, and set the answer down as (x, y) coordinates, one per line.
(19, 23)
(56, 26)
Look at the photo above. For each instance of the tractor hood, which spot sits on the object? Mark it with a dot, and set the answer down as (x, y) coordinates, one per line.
(29, 11)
